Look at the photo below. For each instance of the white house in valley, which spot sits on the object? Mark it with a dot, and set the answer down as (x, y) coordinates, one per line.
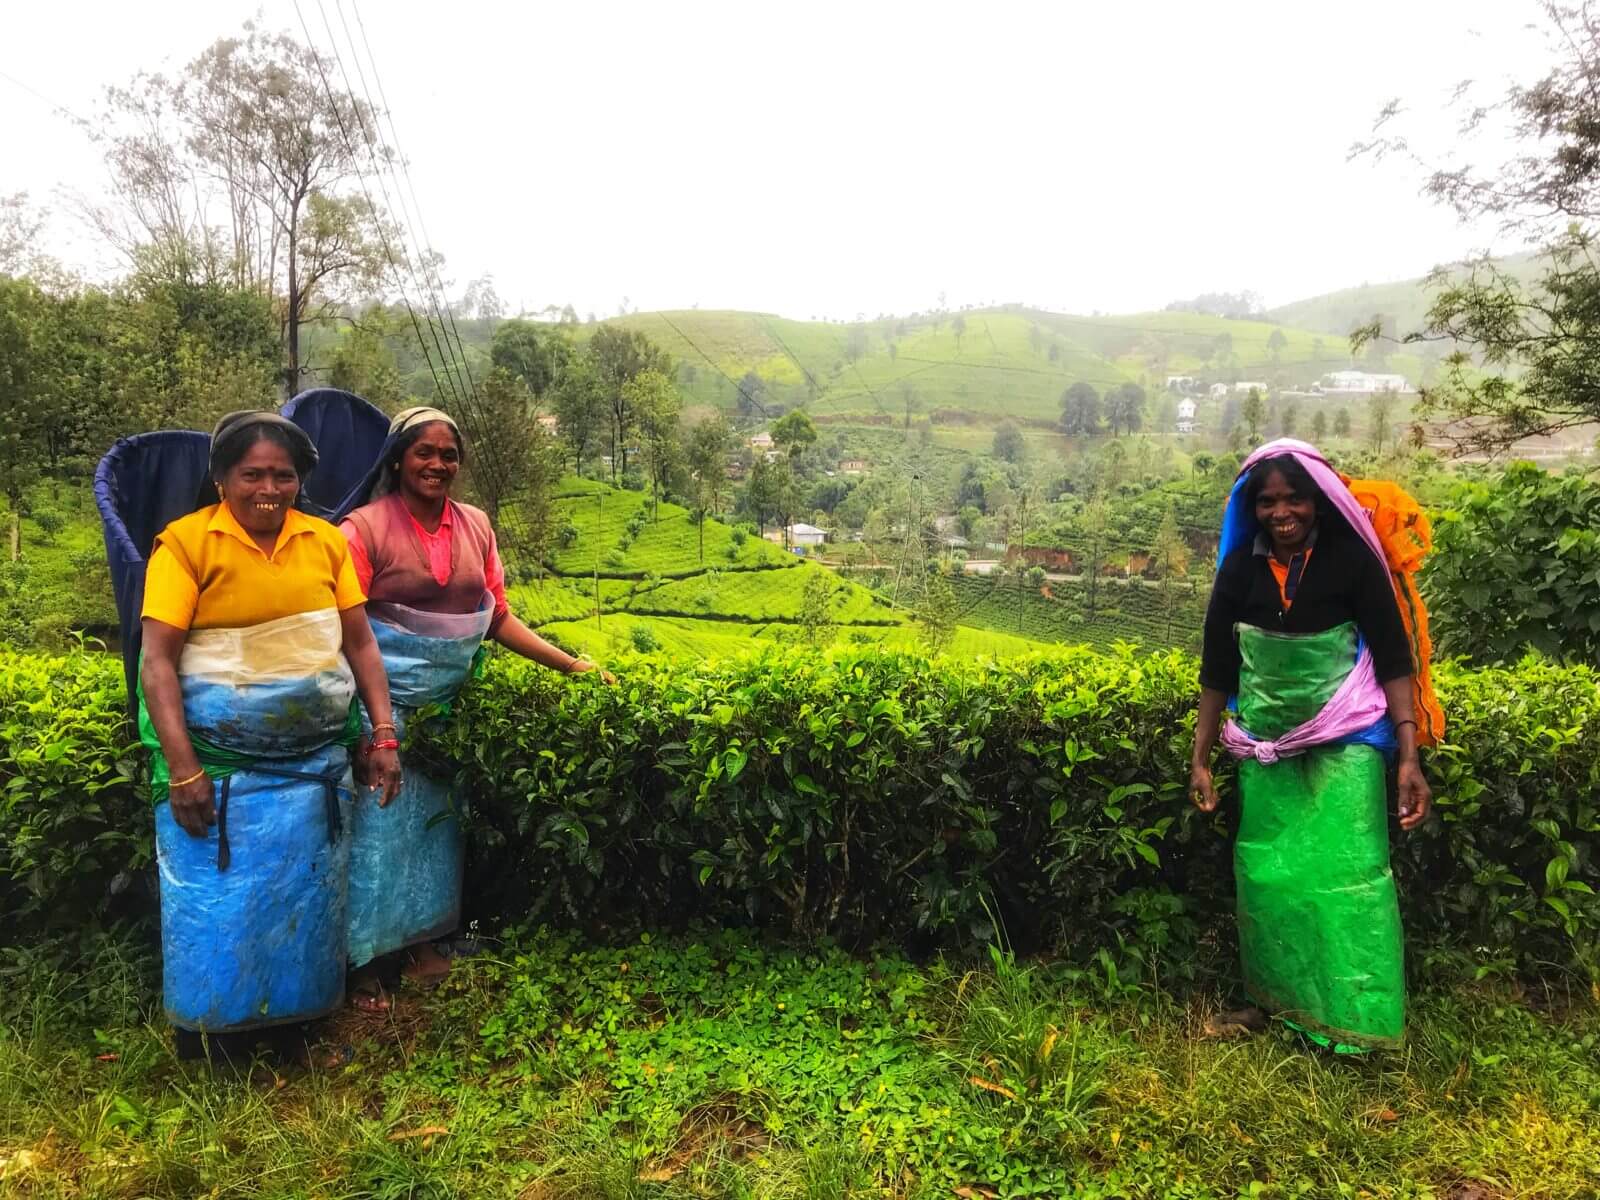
(800, 534)
(1363, 381)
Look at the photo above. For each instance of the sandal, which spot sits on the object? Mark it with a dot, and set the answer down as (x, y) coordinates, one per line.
(370, 996)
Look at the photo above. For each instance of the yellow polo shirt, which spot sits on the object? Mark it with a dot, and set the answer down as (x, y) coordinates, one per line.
(207, 573)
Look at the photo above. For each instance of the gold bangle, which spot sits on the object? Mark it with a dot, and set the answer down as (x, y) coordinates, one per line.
(186, 782)
(384, 725)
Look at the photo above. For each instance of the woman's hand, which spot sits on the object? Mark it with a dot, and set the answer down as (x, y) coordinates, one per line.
(194, 805)
(359, 766)
(383, 771)
(1416, 797)
(1202, 789)
(579, 666)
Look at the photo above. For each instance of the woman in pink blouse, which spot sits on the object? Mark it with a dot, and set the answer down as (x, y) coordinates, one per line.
(435, 587)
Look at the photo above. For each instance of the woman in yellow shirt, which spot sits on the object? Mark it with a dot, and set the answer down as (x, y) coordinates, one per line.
(256, 642)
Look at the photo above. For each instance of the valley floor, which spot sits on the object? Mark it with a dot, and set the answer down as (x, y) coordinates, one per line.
(723, 1066)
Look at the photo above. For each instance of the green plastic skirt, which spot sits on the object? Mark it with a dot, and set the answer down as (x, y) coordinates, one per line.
(1319, 923)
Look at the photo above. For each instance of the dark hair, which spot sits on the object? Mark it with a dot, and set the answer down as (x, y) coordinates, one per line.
(1328, 518)
(234, 446)
(1294, 474)
(411, 436)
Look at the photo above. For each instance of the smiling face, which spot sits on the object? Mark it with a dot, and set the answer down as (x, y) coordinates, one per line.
(1287, 515)
(429, 465)
(261, 487)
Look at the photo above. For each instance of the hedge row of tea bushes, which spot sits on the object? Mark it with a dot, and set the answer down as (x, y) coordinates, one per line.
(872, 794)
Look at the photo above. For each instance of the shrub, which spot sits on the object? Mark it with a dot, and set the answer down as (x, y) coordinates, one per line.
(1516, 566)
(740, 535)
(879, 795)
(643, 638)
(868, 793)
(73, 815)
(50, 524)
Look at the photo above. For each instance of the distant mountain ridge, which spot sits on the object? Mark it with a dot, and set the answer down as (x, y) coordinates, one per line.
(1405, 302)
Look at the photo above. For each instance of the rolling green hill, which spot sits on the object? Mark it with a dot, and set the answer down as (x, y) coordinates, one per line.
(628, 580)
(1405, 302)
(656, 593)
(1002, 364)
(1010, 362)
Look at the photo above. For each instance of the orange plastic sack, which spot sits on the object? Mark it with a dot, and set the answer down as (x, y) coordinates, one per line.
(1406, 536)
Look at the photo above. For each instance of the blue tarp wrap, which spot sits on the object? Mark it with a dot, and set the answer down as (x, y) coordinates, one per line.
(262, 942)
(348, 433)
(142, 484)
(406, 859)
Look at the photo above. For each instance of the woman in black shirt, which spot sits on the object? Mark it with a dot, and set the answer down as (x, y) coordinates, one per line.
(1302, 623)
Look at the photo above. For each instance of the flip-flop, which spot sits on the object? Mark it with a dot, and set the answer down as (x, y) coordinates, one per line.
(370, 996)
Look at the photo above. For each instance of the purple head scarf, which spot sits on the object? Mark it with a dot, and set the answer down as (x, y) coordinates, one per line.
(1359, 704)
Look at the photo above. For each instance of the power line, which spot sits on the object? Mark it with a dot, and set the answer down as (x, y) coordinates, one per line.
(463, 387)
(59, 109)
(713, 362)
(382, 234)
(427, 242)
(424, 287)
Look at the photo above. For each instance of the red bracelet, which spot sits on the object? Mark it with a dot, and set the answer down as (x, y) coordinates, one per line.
(386, 744)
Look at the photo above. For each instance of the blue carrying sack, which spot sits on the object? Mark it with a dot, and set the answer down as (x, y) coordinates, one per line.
(253, 914)
(406, 858)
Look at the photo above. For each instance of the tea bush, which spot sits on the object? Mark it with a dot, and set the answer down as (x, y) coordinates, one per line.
(868, 793)
(73, 815)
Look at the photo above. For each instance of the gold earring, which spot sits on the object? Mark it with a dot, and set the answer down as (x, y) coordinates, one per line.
(219, 491)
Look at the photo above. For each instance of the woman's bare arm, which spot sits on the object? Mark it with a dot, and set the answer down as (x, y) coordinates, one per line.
(1415, 796)
(519, 639)
(1207, 728)
(366, 664)
(193, 803)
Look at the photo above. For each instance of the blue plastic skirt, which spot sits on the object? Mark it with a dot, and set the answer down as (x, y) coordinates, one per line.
(253, 915)
(406, 859)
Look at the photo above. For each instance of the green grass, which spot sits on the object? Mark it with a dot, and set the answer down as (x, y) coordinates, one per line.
(997, 368)
(1405, 302)
(731, 604)
(721, 1066)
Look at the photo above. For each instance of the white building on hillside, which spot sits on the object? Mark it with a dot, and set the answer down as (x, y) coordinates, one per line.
(1361, 381)
(1244, 385)
(800, 534)
(761, 441)
(1186, 412)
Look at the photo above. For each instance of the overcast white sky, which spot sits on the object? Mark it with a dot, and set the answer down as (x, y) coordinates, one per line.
(830, 158)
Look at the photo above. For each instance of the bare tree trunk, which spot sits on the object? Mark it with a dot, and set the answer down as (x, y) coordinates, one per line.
(16, 535)
(292, 339)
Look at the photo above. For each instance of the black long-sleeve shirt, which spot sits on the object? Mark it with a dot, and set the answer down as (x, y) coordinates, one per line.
(1342, 581)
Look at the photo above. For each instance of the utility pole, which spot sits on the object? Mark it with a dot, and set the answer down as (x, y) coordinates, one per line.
(1022, 591)
(913, 529)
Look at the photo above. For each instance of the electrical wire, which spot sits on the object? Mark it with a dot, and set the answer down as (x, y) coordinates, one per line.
(383, 235)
